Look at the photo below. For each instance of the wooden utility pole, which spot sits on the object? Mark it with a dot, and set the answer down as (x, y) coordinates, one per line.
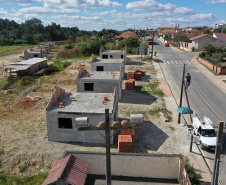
(191, 142)
(215, 173)
(181, 93)
(108, 154)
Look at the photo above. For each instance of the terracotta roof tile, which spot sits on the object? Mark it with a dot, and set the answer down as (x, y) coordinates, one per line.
(200, 36)
(126, 35)
(221, 36)
(69, 169)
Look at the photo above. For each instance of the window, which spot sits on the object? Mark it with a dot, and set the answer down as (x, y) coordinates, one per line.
(88, 86)
(111, 56)
(100, 68)
(105, 56)
(121, 56)
(65, 123)
(35, 55)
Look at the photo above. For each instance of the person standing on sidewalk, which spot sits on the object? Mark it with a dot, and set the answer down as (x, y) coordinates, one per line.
(188, 80)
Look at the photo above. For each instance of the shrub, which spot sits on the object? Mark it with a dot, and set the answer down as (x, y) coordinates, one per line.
(27, 80)
(202, 54)
(194, 178)
(145, 45)
(121, 45)
(110, 46)
(61, 65)
(20, 42)
(210, 49)
(69, 46)
(70, 53)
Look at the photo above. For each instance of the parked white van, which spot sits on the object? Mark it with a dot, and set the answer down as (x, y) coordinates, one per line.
(205, 132)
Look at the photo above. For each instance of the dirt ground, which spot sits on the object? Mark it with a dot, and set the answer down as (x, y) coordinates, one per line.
(23, 125)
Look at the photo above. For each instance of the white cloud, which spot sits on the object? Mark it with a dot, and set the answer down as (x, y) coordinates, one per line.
(150, 5)
(24, 4)
(111, 12)
(19, 1)
(215, 1)
(202, 18)
(184, 11)
(3, 12)
(30, 16)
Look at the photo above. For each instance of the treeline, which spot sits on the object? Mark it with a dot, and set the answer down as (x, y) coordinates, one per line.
(33, 31)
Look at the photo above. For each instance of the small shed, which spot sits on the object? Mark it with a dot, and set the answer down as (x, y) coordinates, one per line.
(69, 170)
(26, 67)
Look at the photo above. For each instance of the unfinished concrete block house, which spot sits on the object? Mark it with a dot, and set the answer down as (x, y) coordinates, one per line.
(107, 65)
(112, 54)
(35, 53)
(99, 81)
(61, 122)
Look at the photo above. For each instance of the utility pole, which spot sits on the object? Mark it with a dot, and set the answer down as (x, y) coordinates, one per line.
(108, 154)
(181, 93)
(217, 154)
(152, 46)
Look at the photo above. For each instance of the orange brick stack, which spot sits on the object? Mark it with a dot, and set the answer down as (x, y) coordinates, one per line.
(124, 143)
(128, 85)
(138, 75)
(143, 72)
(129, 132)
(130, 75)
(132, 80)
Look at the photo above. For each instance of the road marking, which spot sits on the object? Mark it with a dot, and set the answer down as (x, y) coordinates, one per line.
(180, 62)
(168, 62)
(203, 98)
(188, 62)
(176, 62)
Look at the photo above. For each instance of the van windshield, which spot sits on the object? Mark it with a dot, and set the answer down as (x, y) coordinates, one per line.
(209, 133)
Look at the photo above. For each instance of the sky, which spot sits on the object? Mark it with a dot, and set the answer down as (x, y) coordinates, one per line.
(118, 15)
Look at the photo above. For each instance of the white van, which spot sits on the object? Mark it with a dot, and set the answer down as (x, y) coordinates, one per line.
(205, 132)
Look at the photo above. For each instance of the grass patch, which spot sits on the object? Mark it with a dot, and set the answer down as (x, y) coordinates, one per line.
(61, 65)
(152, 88)
(164, 110)
(7, 179)
(8, 50)
(22, 168)
(224, 81)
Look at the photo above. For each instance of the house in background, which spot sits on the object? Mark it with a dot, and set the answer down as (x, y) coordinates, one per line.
(220, 36)
(68, 171)
(112, 54)
(61, 120)
(26, 67)
(34, 53)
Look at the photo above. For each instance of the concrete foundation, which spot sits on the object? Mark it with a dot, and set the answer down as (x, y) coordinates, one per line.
(61, 124)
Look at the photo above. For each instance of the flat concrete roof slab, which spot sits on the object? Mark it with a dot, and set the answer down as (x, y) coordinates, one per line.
(85, 103)
(108, 61)
(115, 182)
(102, 75)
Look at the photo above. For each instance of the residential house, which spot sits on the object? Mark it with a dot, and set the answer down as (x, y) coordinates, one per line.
(63, 109)
(220, 36)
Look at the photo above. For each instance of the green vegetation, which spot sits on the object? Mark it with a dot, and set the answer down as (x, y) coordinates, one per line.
(61, 65)
(164, 110)
(153, 89)
(8, 179)
(224, 81)
(22, 168)
(8, 50)
(194, 178)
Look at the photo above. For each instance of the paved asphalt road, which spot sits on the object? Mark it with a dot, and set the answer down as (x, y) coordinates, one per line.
(204, 96)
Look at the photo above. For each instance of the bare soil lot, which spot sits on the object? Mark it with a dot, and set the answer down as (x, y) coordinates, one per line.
(23, 125)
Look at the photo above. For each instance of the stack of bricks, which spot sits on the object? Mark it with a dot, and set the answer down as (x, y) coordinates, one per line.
(125, 143)
(137, 75)
(132, 80)
(143, 72)
(128, 85)
(130, 132)
(130, 75)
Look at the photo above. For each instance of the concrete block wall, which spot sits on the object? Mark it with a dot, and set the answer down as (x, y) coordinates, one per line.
(73, 135)
(57, 92)
(133, 165)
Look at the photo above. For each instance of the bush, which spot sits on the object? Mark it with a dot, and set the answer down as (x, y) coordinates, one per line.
(194, 178)
(61, 65)
(20, 42)
(210, 49)
(202, 54)
(110, 46)
(121, 45)
(145, 45)
(223, 56)
(69, 46)
(27, 80)
(70, 53)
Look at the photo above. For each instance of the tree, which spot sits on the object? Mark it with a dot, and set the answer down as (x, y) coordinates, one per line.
(210, 49)
(223, 31)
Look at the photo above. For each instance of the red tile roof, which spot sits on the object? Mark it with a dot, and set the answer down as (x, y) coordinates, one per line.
(200, 36)
(221, 36)
(126, 35)
(69, 169)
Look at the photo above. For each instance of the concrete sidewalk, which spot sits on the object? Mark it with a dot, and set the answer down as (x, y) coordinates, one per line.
(217, 80)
